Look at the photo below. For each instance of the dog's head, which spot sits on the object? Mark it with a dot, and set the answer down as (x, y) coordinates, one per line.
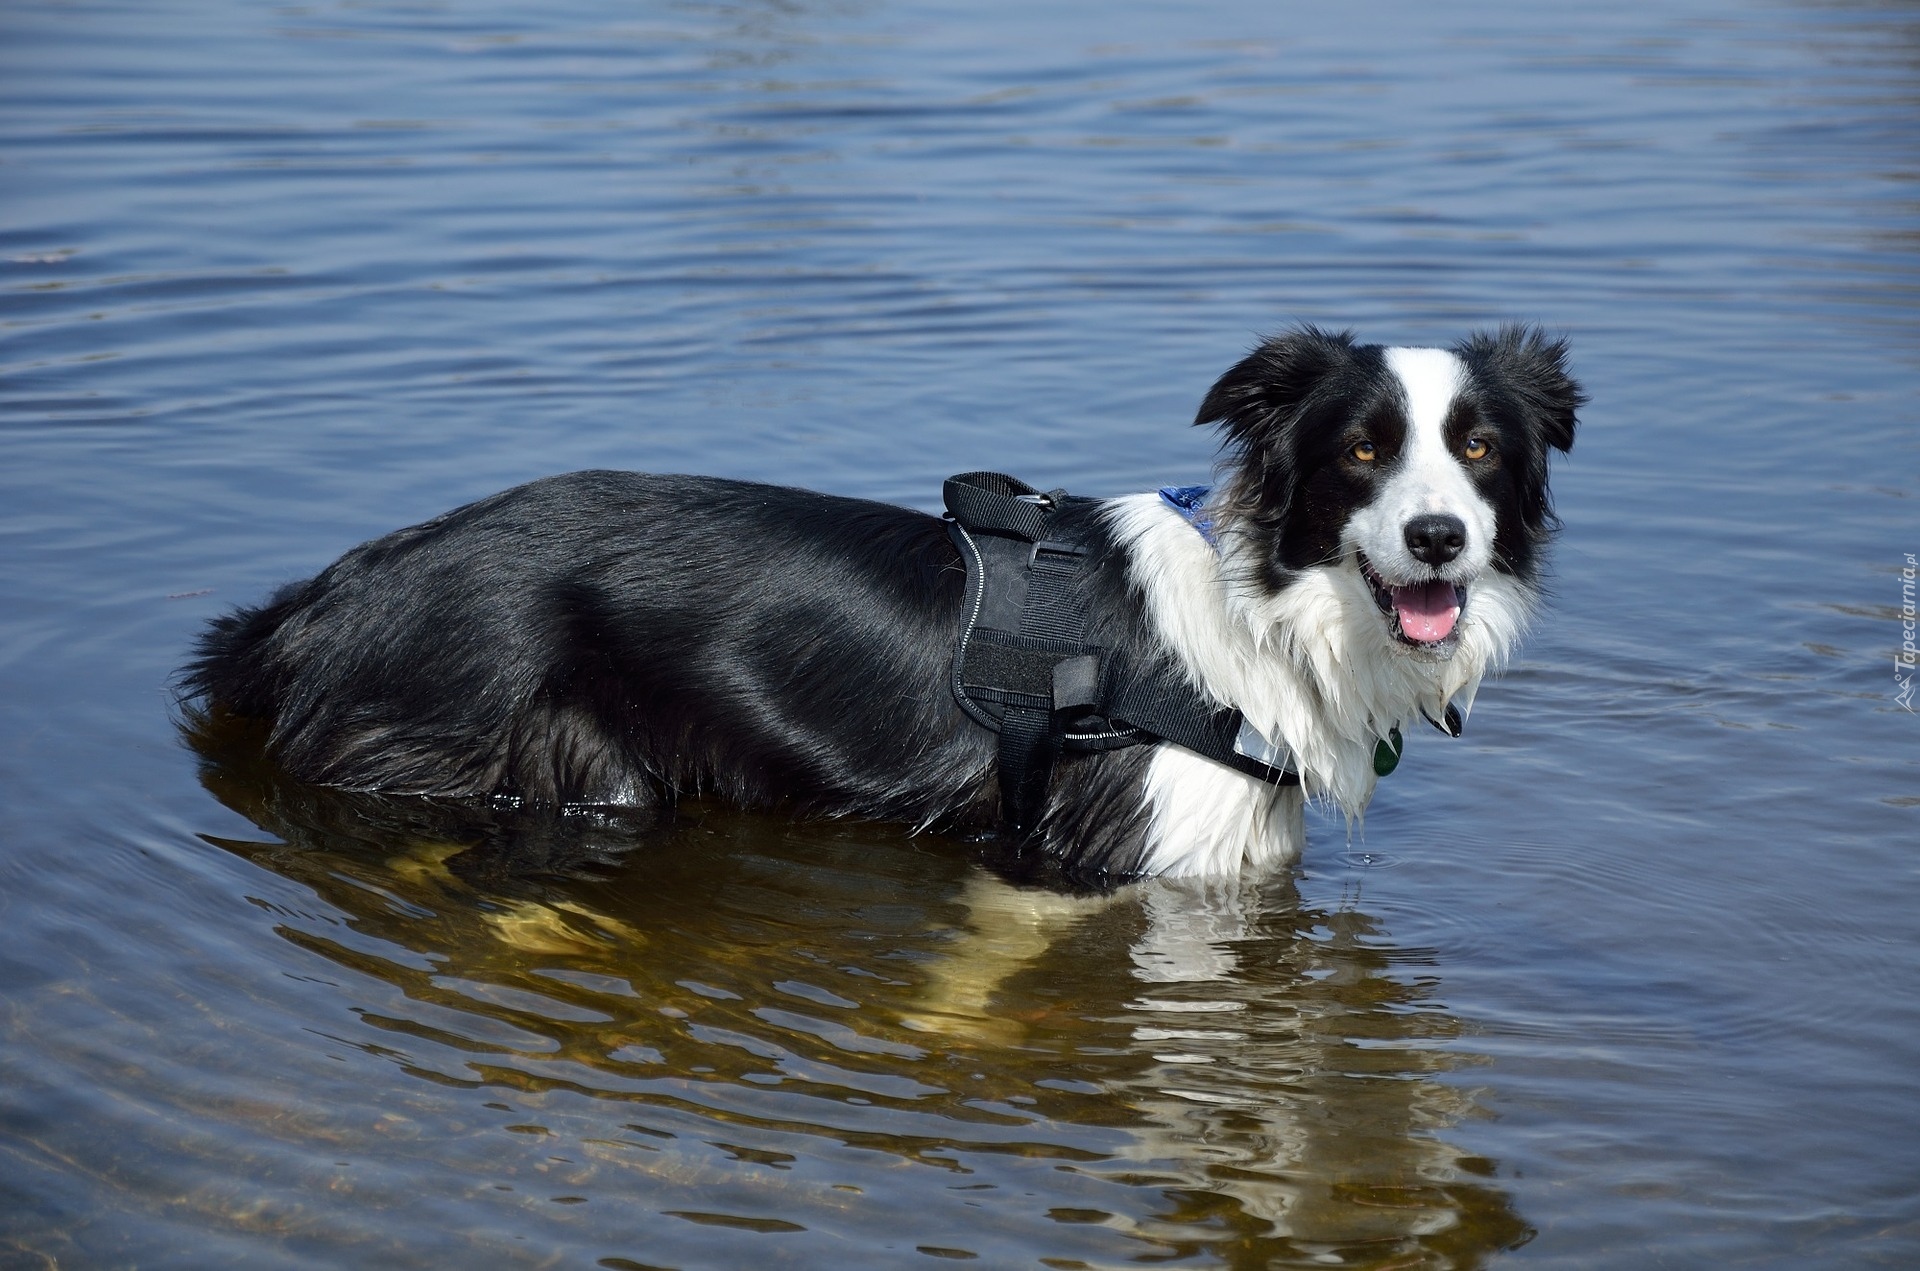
(1409, 475)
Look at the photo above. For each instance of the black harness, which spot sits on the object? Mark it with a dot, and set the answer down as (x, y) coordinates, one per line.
(1023, 668)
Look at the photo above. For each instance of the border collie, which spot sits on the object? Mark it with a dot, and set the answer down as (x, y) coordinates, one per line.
(608, 638)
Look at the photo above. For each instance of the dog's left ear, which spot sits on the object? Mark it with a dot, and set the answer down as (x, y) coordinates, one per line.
(1533, 366)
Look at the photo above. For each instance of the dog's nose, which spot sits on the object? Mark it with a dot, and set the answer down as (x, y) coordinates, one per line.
(1436, 538)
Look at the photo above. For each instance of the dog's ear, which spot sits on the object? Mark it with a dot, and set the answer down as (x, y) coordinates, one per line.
(1533, 366)
(1258, 405)
(1255, 401)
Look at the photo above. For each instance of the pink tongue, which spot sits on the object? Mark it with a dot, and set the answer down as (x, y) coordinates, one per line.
(1427, 610)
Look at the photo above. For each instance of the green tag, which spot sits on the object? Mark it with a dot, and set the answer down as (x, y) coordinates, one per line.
(1386, 754)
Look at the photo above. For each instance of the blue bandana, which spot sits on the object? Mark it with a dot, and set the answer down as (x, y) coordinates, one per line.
(1190, 501)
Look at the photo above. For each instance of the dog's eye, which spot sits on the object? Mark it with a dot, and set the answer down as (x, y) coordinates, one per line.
(1365, 452)
(1476, 448)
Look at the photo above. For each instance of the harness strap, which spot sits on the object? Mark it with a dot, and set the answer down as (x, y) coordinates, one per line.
(1223, 736)
(1030, 736)
(1046, 669)
(999, 504)
(1043, 674)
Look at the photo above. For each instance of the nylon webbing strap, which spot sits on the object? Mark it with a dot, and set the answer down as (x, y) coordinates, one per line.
(997, 503)
(1171, 716)
(1030, 735)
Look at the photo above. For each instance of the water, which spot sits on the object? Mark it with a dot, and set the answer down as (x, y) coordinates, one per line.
(1623, 978)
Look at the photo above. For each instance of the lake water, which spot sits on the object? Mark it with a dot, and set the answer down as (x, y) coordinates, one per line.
(1623, 978)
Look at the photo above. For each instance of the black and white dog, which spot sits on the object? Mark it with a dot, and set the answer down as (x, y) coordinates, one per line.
(609, 638)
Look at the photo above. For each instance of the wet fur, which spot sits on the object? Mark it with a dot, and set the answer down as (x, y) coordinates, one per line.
(609, 638)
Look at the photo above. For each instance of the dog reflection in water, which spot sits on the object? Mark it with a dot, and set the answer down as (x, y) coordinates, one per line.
(1190, 926)
(1007, 930)
(1239, 1047)
(483, 855)
(527, 926)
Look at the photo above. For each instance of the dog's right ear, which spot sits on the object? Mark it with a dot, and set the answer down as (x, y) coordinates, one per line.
(1255, 401)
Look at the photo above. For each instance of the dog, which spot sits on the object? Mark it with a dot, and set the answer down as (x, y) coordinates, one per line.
(1372, 549)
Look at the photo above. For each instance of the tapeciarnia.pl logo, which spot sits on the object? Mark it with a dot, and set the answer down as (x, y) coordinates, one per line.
(1903, 661)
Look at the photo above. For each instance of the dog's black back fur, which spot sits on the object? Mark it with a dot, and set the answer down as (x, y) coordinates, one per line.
(620, 638)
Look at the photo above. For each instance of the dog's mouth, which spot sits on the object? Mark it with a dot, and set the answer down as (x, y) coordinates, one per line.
(1424, 615)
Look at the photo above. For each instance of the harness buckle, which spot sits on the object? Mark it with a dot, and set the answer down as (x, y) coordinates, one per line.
(1053, 549)
(1251, 743)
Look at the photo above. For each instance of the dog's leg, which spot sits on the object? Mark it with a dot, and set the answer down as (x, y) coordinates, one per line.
(1207, 818)
(1286, 833)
